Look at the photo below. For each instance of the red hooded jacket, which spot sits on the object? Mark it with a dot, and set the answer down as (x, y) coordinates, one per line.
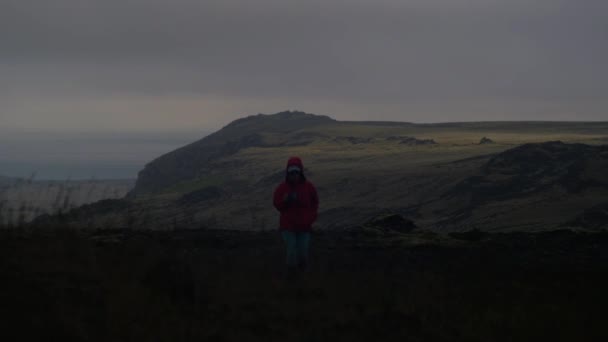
(300, 215)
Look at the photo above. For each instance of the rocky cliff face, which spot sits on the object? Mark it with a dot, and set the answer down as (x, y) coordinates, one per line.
(190, 161)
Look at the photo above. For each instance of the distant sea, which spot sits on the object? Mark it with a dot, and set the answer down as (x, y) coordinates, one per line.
(62, 156)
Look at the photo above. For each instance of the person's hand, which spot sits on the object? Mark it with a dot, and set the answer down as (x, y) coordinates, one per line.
(291, 197)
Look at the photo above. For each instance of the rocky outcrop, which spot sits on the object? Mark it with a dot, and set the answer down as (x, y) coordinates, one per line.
(532, 186)
(392, 222)
(593, 218)
(353, 140)
(411, 141)
(531, 168)
(485, 141)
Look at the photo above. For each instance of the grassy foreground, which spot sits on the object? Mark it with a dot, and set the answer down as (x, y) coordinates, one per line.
(362, 286)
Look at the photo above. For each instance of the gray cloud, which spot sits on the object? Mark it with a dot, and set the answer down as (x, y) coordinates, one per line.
(420, 60)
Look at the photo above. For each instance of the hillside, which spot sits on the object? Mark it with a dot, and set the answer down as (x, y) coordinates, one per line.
(438, 175)
(530, 187)
(192, 161)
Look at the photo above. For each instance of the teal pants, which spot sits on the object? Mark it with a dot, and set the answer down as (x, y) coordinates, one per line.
(297, 248)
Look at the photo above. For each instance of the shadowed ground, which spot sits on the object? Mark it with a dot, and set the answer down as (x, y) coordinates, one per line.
(362, 286)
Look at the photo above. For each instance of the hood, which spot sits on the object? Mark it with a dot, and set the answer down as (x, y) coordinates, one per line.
(295, 161)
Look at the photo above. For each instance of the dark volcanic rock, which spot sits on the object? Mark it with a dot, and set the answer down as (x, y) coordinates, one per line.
(532, 168)
(536, 166)
(485, 141)
(411, 140)
(353, 140)
(593, 218)
(553, 176)
(393, 222)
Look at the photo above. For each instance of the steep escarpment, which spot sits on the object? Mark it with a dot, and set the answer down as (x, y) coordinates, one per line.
(191, 161)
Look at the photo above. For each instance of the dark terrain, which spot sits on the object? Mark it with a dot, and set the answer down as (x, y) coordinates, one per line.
(426, 232)
(367, 284)
(491, 176)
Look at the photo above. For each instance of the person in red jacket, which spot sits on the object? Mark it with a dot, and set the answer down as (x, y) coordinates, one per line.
(297, 200)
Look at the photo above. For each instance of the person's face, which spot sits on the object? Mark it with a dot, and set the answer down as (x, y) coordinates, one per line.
(294, 176)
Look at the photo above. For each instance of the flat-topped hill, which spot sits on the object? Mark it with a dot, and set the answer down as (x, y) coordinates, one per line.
(436, 175)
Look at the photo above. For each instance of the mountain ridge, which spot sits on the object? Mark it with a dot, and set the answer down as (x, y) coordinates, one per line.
(290, 128)
(437, 176)
(185, 162)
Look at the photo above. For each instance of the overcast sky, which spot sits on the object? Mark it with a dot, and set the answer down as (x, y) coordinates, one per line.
(154, 65)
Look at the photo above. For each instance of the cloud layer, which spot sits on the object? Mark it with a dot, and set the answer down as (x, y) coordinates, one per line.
(151, 64)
